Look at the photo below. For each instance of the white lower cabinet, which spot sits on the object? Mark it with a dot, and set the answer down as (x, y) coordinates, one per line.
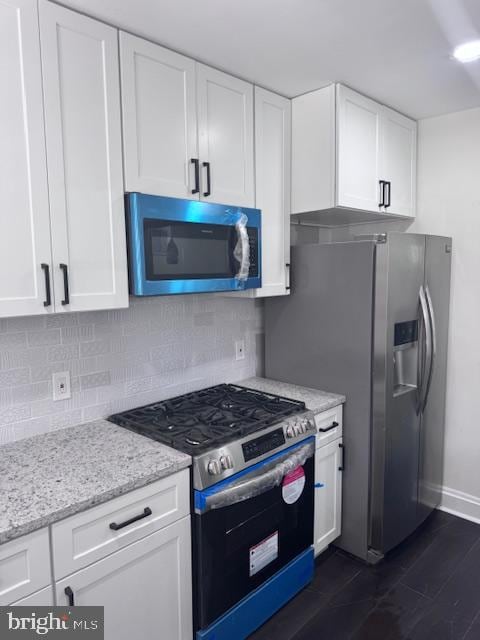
(42, 598)
(328, 494)
(24, 566)
(145, 588)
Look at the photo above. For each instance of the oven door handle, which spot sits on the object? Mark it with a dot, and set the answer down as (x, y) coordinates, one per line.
(254, 484)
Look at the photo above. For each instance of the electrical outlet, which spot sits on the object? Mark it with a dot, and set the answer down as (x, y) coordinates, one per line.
(61, 385)
(240, 350)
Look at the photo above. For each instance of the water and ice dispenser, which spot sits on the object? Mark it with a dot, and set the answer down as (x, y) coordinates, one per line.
(405, 357)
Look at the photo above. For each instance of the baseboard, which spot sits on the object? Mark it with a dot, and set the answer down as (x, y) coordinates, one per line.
(460, 504)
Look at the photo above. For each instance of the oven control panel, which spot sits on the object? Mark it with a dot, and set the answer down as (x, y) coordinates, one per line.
(218, 464)
(262, 445)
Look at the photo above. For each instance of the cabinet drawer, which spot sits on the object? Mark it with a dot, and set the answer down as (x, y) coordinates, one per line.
(87, 537)
(42, 598)
(329, 425)
(24, 566)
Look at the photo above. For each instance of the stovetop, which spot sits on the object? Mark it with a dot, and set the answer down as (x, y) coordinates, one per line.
(202, 420)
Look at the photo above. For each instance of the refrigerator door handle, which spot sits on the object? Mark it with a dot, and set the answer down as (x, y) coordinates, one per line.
(424, 361)
(433, 334)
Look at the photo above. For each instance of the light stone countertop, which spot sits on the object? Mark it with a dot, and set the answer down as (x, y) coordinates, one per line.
(315, 400)
(48, 477)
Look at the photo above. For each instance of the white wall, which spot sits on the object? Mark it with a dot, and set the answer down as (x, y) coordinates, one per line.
(449, 204)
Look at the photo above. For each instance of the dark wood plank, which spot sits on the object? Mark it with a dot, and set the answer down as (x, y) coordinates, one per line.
(393, 617)
(335, 623)
(334, 572)
(440, 560)
(292, 617)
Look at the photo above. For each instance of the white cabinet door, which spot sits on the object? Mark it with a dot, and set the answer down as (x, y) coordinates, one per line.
(42, 598)
(24, 217)
(225, 130)
(24, 566)
(84, 157)
(272, 178)
(358, 150)
(146, 588)
(159, 119)
(399, 161)
(328, 494)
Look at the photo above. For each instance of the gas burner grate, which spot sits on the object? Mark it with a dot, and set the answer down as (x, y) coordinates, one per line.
(204, 419)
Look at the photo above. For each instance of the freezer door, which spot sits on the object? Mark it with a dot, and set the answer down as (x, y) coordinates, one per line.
(321, 336)
(437, 287)
(396, 374)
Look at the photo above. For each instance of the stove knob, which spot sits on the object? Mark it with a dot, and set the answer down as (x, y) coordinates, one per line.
(213, 468)
(296, 429)
(311, 424)
(226, 462)
(290, 431)
(304, 425)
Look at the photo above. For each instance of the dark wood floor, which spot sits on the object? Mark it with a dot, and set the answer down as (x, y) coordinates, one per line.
(428, 588)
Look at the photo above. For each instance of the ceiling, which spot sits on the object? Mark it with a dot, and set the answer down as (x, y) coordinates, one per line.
(396, 51)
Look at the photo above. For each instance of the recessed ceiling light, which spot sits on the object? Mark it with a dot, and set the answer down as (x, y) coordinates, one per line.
(468, 52)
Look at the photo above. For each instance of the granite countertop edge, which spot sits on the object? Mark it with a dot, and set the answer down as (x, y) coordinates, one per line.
(315, 400)
(49, 477)
(60, 514)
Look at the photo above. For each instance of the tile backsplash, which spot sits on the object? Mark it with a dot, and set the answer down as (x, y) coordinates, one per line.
(119, 359)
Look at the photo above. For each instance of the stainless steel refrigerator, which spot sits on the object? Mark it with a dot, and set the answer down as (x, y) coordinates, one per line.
(369, 319)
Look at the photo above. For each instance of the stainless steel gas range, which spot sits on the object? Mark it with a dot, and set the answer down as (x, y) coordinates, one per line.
(253, 482)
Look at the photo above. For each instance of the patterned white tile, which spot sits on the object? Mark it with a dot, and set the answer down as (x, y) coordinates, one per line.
(45, 337)
(30, 392)
(14, 377)
(14, 413)
(63, 352)
(15, 358)
(119, 359)
(13, 340)
(78, 334)
(99, 379)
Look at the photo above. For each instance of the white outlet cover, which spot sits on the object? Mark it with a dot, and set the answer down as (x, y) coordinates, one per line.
(61, 385)
(240, 350)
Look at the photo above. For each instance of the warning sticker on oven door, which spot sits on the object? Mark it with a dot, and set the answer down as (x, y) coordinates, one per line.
(263, 553)
(292, 485)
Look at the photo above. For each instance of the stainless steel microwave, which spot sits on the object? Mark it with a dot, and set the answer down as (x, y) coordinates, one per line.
(187, 246)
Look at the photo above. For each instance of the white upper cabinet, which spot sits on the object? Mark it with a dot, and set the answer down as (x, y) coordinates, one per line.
(358, 150)
(187, 128)
(84, 158)
(398, 161)
(225, 135)
(24, 217)
(159, 119)
(272, 178)
(353, 160)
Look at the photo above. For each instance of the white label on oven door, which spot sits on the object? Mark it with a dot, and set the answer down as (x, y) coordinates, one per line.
(292, 485)
(263, 553)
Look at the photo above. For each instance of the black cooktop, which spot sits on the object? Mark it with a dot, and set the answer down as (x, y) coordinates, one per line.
(201, 420)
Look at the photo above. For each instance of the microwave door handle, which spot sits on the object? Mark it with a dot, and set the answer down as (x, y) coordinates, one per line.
(259, 484)
(242, 248)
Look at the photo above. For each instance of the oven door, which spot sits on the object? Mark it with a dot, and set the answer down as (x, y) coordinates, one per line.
(250, 526)
(182, 246)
